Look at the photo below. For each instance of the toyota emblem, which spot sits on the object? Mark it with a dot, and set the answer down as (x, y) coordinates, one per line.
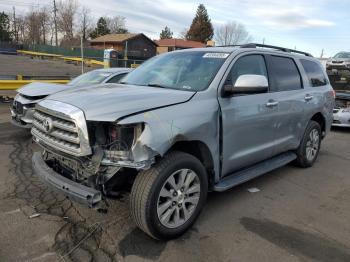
(47, 123)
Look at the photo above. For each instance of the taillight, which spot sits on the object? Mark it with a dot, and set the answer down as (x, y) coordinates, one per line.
(333, 92)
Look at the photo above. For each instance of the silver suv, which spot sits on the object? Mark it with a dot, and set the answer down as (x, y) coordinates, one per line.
(182, 124)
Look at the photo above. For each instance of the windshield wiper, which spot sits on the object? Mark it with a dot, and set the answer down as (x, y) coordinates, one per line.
(157, 85)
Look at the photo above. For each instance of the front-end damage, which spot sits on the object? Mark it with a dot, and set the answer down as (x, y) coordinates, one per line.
(121, 148)
(115, 159)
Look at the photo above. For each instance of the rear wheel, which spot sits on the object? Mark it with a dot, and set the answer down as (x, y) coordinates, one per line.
(310, 145)
(166, 199)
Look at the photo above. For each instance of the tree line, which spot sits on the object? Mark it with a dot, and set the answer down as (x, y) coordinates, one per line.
(202, 30)
(63, 23)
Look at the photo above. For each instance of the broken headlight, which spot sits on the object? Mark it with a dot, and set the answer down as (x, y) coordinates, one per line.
(117, 140)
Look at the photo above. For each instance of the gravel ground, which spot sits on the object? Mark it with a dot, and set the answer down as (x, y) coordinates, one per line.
(298, 215)
(24, 65)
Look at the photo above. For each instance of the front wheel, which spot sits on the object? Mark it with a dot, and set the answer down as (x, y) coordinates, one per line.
(166, 199)
(310, 145)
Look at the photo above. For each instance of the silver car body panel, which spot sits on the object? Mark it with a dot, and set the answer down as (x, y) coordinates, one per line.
(41, 89)
(45, 89)
(109, 102)
(237, 131)
(32, 93)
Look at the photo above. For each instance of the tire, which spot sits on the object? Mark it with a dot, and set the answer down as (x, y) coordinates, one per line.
(146, 200)
(304, 156)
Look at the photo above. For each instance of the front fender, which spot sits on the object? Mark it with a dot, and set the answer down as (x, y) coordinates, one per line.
(194, 120)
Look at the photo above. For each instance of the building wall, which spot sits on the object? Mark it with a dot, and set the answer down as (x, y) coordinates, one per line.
(141, 47)
(114, 46)
(162, 49)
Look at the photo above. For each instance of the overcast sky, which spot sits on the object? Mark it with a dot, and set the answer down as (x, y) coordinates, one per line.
(308, 25)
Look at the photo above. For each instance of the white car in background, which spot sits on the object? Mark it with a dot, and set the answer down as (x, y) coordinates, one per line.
(341, 111)
(28, 96)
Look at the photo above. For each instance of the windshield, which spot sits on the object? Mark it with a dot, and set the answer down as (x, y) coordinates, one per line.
(342, 55)
(90, 78)
(192, 71)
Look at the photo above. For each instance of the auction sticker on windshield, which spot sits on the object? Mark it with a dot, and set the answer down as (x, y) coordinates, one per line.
(216, 55)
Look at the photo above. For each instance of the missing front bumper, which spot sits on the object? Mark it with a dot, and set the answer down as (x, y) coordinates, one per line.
(75, 191)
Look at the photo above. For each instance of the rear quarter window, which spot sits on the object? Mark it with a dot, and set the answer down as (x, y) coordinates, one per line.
(285, 73)
(314, 73)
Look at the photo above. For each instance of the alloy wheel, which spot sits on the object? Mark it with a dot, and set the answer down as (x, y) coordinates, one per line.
(178, 198)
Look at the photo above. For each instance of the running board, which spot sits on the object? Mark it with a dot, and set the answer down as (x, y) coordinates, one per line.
(254, 171)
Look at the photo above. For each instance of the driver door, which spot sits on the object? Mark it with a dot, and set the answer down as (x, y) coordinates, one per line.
(248, 120)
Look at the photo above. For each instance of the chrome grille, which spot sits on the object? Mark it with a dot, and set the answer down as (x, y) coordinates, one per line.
(60, 131)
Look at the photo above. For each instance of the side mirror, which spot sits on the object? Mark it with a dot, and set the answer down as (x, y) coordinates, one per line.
(248, 84)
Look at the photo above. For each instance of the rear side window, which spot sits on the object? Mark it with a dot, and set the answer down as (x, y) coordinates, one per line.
(314, 73)
(286, 75)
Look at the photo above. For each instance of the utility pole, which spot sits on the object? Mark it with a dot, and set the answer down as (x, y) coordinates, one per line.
(55, 20)
(82, 54)
(126, 54)
(263, 40)
(14, 24)
(322, 53)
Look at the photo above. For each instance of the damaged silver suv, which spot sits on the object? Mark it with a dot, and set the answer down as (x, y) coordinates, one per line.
(182, 124)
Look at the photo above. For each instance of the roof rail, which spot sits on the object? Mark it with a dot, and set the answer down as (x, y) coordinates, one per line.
(283, 49)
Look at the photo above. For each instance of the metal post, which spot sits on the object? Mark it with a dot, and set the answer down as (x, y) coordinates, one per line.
(82, 54)
(126, 54)
(55, 21)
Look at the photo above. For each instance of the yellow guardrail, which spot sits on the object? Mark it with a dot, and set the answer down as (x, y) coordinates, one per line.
(95, 62)
(15, 84)
(87, 61)
(69, 58)
(65, 58)
(24, 52)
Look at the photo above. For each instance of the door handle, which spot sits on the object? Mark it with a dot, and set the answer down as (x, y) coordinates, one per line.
(308, 97)
(271, 103)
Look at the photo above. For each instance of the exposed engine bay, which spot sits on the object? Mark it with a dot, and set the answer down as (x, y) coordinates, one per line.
(110, 165)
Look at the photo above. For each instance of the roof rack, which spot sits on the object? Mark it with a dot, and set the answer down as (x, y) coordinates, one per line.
(283, 49)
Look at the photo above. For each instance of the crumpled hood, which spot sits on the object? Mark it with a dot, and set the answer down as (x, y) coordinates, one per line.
(110, 102)
(41, 89)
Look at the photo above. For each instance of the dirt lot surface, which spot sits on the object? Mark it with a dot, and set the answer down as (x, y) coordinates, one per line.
(298, 215)
(24, 65)
(12, 65)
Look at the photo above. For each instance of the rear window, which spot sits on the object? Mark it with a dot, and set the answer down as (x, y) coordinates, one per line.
(286, 75)
(314, 73)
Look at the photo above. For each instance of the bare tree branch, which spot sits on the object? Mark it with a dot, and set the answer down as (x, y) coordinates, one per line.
(66, 14)
(116, 24)
(85, 22)
(232, 33)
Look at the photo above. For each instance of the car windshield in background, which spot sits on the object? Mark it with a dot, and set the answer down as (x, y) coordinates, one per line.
(342, 55)
(191, 71)
(90, 78)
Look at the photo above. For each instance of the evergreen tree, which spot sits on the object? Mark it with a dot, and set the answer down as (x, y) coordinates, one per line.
(201, 28)
(101, 28)
(166, 33)
(5, 34)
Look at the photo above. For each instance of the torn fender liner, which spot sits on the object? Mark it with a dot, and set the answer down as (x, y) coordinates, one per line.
(79, 193)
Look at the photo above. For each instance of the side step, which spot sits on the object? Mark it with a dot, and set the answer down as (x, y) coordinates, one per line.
(254, 171)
